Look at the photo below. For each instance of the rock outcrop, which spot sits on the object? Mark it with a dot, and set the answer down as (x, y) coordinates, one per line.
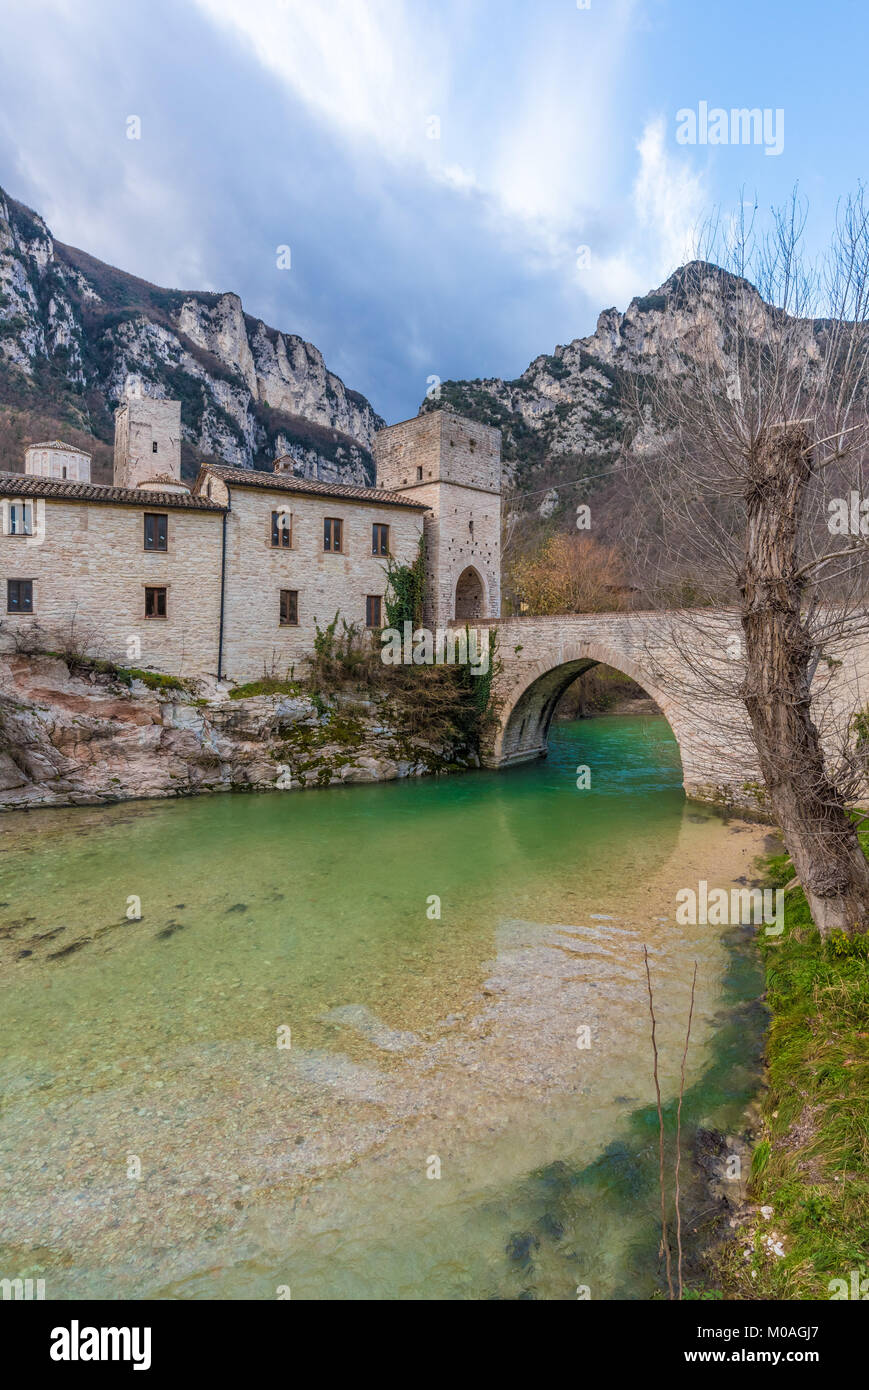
(82, 738)
(570, 404)
(75, 333)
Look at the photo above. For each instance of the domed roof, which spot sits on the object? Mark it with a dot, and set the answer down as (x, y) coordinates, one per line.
(59, 444)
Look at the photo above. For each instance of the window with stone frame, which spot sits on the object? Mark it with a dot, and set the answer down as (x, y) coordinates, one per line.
(20, 519)
(155, 602)
(379, 538)
(19, 595)
(374, 610)
(333, 534)
(289, 608)
(156, 531)
(282, 530)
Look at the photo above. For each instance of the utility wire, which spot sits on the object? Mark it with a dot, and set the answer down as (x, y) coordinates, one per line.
(590, 477)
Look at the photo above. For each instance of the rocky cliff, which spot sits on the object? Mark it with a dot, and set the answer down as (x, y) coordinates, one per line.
(74, 332)
(566, 414)
(81, 737)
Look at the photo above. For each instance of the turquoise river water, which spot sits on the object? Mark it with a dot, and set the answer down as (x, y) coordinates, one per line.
(292, 1077)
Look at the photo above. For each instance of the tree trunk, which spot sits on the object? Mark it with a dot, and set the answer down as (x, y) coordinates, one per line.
(819, 835)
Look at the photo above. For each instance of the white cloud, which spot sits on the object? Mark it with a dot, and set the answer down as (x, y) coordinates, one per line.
(533, 138)
(374, 69)
(308, 123)
(528, 111)
(668, 199)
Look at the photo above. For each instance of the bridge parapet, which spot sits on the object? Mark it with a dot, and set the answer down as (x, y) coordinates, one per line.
(689, 663)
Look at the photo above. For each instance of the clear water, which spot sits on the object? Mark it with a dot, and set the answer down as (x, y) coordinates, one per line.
(156, 1141)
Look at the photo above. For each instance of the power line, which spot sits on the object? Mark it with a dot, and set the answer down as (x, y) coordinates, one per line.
(590, 477)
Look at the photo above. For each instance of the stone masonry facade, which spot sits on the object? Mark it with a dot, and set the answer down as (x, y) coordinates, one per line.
(89, 572)
(324, 582)
(453, 466)
(147, 442)
(233, 578)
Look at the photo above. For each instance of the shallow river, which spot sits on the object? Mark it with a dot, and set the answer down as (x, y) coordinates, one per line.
(254, 1088)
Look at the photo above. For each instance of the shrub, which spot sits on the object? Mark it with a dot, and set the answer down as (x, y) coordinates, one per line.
(405, 590)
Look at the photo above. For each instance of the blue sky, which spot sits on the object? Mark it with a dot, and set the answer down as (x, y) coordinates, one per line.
(307, 124)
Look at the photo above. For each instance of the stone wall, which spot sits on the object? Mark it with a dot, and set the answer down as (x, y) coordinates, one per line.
(255, 643)
(140, 423)
(90, 569)
(460, 465)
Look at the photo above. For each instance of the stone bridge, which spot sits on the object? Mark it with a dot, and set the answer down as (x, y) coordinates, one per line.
(689, 663)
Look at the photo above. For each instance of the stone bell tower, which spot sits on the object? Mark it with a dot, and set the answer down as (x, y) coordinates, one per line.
(453, 465)
(148, 444)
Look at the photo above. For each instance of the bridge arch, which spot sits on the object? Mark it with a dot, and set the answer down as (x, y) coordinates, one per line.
(529, 705)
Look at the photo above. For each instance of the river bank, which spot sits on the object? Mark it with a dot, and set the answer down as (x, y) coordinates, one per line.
(805, 1232)
(76, 735)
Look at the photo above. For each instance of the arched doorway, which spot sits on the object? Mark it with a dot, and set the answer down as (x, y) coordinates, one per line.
(470, 595)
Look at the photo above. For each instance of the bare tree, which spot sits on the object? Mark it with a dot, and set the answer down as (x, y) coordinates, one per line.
(753, 432)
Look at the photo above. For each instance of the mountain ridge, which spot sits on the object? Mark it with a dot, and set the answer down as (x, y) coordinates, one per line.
(75, 332)
(567, 410)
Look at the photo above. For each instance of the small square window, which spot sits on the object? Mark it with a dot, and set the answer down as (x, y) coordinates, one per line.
(289, 608)
(282, 530)
(333, 533)
(379, 539)
(156, 531)
(155, 603)
(374, 611)
(19, 595)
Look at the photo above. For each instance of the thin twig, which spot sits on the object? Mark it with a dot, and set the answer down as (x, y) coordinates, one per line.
(664, 1237)
(679, 1134)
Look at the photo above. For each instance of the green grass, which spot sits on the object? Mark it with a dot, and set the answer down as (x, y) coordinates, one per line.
(812, 1162)
(154, 680)
(269, 685)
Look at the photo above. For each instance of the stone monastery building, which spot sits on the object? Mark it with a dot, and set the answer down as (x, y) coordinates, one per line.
(231, 578)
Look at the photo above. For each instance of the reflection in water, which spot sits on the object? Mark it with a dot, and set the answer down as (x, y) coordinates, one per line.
(414, 1038)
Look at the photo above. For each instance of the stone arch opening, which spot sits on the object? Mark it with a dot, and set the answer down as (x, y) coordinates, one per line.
(470, 594)
(528, 709)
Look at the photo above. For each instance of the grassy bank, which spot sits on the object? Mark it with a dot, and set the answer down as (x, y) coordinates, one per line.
(811, 1164)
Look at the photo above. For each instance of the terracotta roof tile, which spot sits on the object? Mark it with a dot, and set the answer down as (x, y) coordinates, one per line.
(59, 444)
(30, 485)
(287, 482)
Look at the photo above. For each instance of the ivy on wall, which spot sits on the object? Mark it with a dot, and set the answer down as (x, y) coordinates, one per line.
(405, 590)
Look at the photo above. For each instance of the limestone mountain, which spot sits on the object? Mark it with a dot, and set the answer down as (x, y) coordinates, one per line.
(565, 416)
(75, 332)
